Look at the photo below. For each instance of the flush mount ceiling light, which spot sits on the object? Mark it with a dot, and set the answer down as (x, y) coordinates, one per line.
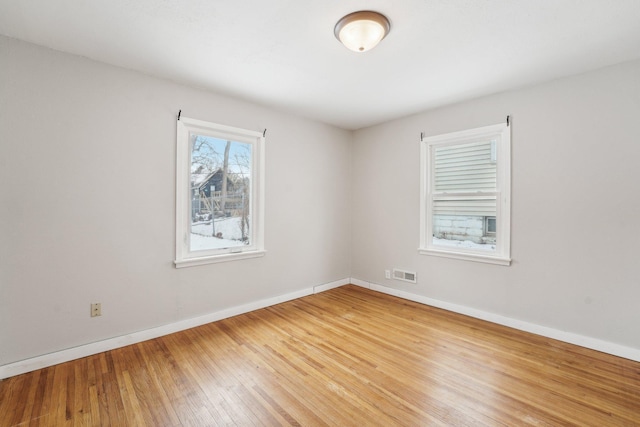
(362, 31)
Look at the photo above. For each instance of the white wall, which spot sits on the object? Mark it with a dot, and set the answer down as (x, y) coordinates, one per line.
(87, 190)
(87, 193)
(575, 206)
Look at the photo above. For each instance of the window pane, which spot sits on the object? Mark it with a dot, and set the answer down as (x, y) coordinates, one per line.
(460, 222)
(465, 167)
(220, 188)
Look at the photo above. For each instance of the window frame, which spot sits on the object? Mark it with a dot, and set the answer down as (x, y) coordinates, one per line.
(185, 257)
(502, 134)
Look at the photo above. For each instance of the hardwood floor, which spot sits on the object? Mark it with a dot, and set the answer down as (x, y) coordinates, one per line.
(346, 357)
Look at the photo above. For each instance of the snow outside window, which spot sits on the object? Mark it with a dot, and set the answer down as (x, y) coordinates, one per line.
(220, 193)
(465, 195)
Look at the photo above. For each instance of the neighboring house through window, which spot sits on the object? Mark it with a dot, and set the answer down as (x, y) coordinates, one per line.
(220, 193)
(465, 195)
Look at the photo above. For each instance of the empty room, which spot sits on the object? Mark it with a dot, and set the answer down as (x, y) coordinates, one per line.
(343, 213)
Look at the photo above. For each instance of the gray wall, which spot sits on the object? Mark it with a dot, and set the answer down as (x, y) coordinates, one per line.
(83, 145)
(575, 206)
(87, 203)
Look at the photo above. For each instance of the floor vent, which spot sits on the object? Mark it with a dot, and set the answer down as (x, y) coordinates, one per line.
(407, 276)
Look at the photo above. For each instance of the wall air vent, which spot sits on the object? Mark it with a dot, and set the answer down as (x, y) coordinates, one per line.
(406, 276)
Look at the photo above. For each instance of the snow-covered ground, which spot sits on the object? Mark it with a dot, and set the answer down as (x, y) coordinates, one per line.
(202, 237)
(202, 234)
(464, 244)
(199, 243)
(228, 227)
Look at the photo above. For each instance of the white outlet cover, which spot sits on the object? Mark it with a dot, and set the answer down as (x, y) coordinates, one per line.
(96, 309)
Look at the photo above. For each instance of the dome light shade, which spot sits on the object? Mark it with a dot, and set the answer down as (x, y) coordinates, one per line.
(362, 31)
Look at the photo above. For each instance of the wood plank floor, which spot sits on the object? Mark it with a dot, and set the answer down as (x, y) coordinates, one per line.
(346, 357)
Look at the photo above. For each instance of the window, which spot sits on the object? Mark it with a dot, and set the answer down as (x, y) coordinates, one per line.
(465, 195)
(490, 225)
(219, 193)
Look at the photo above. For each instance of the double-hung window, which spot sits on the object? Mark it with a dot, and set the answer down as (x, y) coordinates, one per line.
(465, 195)
(219, 193)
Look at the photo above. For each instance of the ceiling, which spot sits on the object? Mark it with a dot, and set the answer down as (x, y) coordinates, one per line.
(283, 54)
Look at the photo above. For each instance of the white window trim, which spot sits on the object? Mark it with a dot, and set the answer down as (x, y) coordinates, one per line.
(184, 256)
(502, 255)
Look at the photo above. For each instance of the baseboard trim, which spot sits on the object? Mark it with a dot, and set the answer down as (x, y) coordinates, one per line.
(332, 285)
(38, 362)
(28, 365)
(568, 337)
(360, 283)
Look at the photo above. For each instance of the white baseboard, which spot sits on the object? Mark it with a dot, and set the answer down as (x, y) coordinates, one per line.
(568, 337)
(27, 365)
(360, 283)
(332, 285)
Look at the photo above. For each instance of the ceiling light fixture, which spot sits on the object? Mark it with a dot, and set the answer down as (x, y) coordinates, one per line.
(362, 31)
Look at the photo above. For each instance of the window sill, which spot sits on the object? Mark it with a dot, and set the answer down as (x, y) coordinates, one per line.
(466, 256)
(191, 262)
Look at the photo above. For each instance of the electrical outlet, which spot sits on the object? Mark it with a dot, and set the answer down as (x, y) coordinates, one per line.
(387, 274)
(96, 309)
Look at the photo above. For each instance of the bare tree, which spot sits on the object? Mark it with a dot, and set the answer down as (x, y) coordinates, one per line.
(243, 163)
(225, 176)
(204, 157)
